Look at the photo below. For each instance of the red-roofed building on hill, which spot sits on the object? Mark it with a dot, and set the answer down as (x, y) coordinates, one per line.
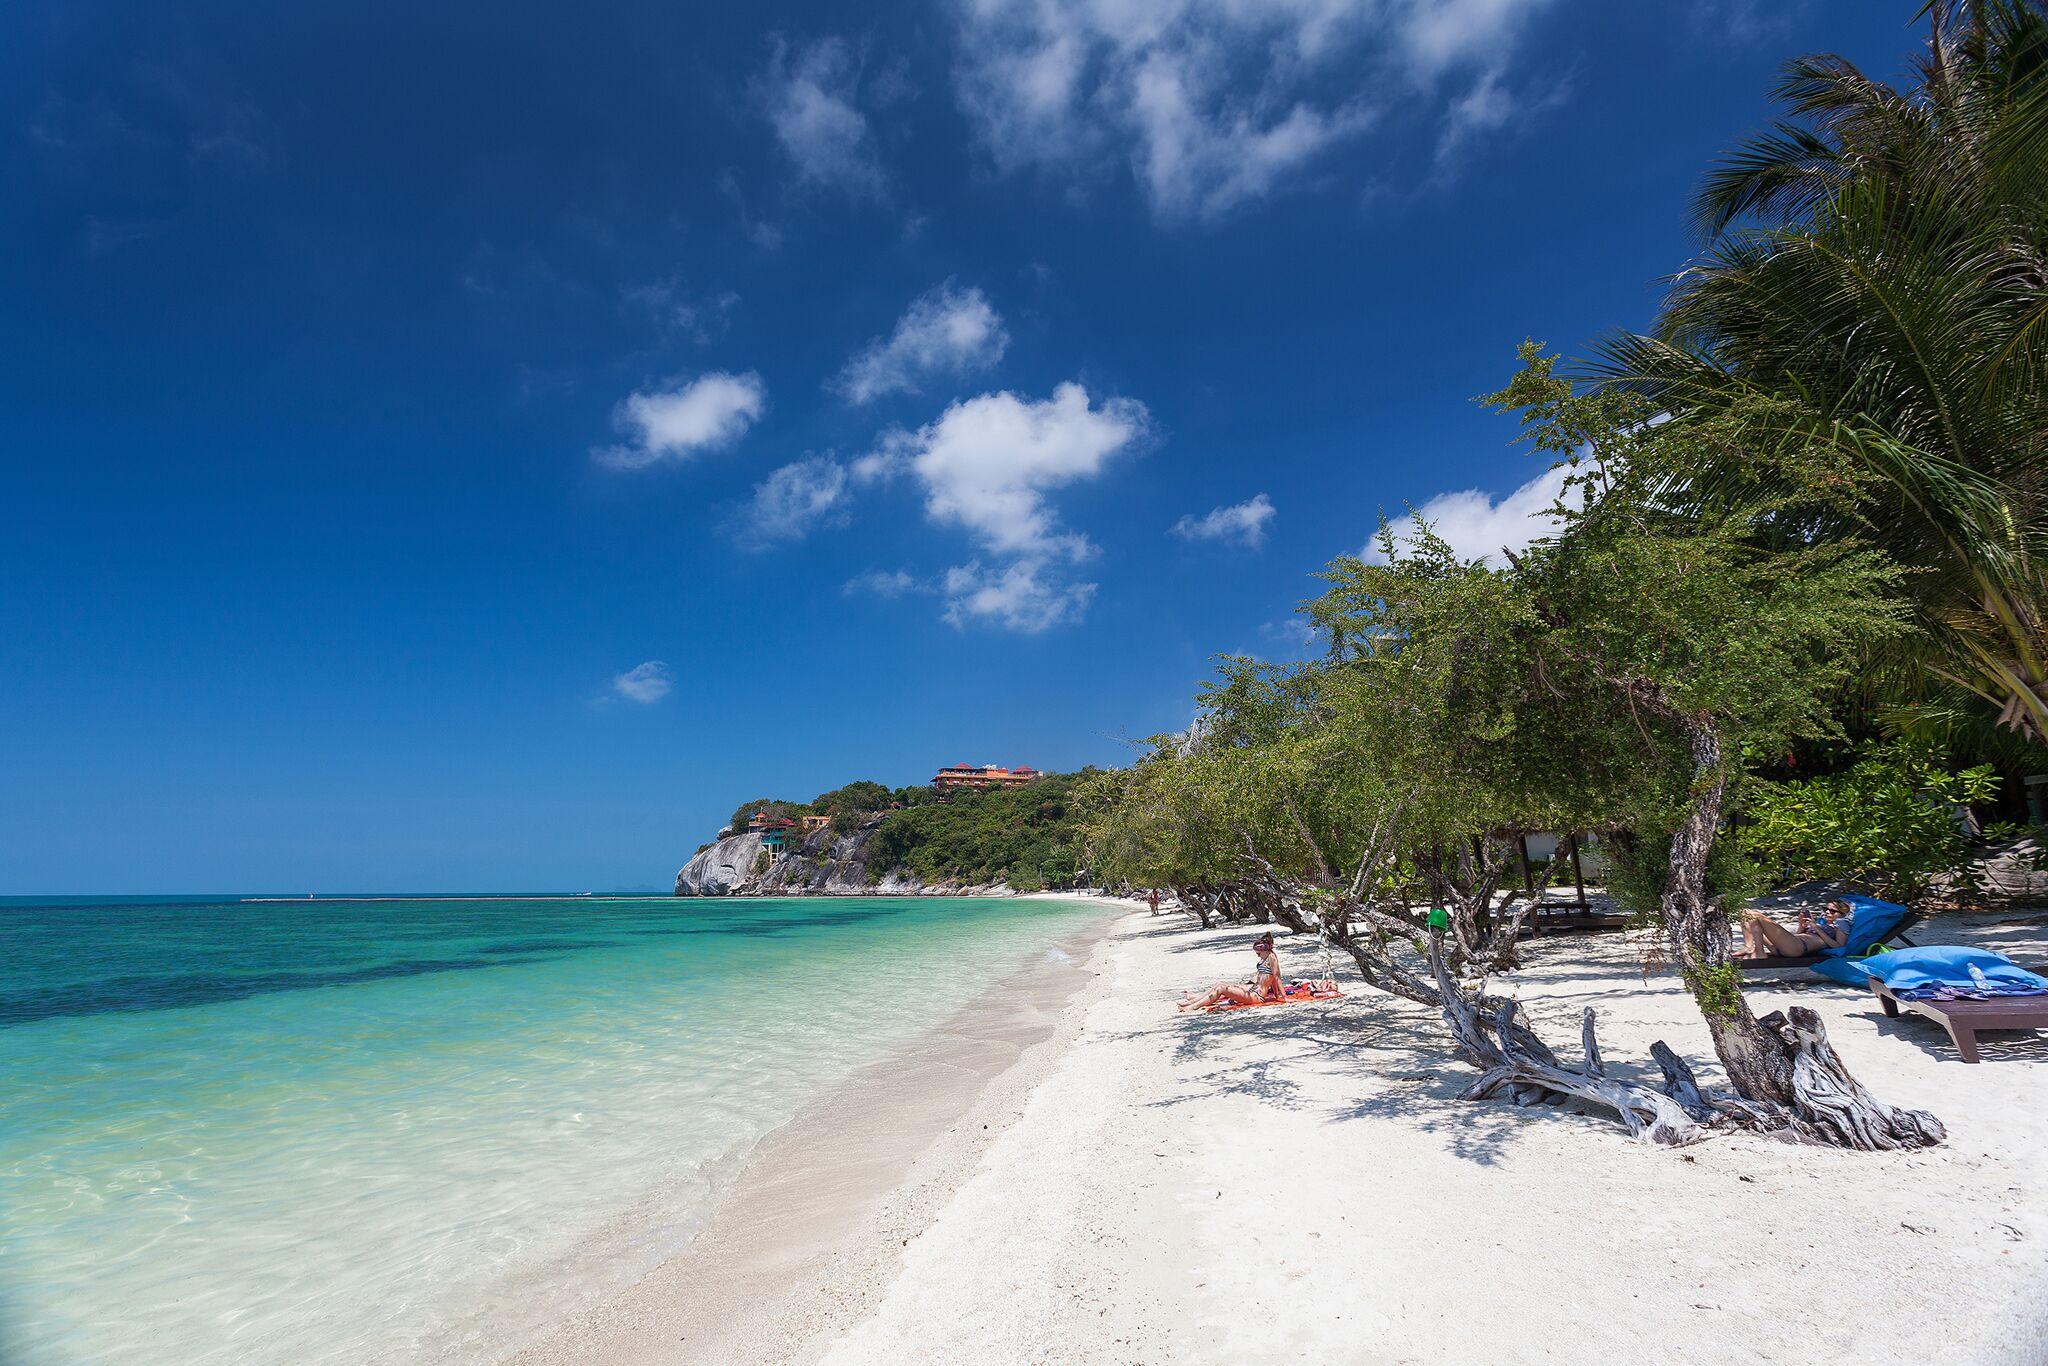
(955, 776)
(772, 829)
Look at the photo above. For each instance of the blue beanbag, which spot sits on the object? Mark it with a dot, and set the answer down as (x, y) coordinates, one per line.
(1850, 972)
(1872, 921)
(1925, 970)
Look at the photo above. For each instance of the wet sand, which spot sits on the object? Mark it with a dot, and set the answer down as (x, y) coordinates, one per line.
(812, 1230)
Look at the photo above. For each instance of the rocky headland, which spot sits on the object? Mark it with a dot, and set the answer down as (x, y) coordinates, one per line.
(824, 863)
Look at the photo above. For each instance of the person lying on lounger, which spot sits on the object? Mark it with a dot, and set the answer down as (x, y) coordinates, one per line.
(1763, 937)
(1267, 983)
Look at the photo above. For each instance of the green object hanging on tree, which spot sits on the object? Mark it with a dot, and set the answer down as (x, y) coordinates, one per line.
(1439, 918)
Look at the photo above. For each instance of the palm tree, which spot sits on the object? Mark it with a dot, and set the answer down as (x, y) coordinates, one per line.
(1876, 281)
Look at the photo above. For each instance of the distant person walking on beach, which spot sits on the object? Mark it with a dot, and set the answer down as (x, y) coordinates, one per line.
(1267, 983)
(1154, 899)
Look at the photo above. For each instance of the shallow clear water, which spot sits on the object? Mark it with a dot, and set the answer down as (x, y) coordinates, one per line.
(337, 1131)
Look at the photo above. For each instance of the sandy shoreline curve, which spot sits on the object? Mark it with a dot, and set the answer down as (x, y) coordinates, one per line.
(810, 1233)
(1075, 1172)
(1303, 1182)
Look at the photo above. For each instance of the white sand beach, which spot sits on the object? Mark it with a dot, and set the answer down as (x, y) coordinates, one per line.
(1112, 1181)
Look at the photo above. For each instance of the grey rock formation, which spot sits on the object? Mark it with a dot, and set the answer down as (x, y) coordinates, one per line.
(719, 869)
(823, 864)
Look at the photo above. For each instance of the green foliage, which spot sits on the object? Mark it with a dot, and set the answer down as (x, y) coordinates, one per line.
(1873, 269)
(1885, 826)
(744, 812)
(761, 862)
(1718, 990)
(1027, 836)
(1693, 610)
(1639, 869)
(844, 804)
(856, 797)
(1613, 676)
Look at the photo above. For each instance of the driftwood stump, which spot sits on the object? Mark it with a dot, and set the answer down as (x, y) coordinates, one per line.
(1647, 1114)
(1510, 1055)
(1828, 1105)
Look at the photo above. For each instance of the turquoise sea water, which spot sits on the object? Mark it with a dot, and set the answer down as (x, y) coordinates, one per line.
(380, 1130)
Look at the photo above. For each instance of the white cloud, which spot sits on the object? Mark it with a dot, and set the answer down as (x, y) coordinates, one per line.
(946, 331)
(649, 682)
(1482, 109)
(811, 99)
(987, 465)
(885, 583)
(1027, 596)
(1488, 108)
(710, 411)
(1439, 34)
(1194, 159)
(1476, 526)
(1241, 524)
(890, 457)
(795, 500)
(1211, 103)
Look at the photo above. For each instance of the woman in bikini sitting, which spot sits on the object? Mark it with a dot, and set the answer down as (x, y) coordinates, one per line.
(1763, 937)
(1267, 983)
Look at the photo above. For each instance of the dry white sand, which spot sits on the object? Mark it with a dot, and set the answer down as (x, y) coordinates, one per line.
(1300, 1180)
(1085, 1175)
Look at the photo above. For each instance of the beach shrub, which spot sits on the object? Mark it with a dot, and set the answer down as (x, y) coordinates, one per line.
(1887, 825)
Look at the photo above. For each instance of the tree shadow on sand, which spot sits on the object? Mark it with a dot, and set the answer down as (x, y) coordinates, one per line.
(1396, 1053)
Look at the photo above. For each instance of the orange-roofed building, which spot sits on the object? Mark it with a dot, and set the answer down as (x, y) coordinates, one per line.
(955, 776)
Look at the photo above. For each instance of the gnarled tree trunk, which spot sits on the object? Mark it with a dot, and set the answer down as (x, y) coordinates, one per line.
(1699, 938)
(1771, 1062)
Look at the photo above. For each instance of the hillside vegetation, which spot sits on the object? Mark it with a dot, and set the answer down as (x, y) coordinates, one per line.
(1025, 836)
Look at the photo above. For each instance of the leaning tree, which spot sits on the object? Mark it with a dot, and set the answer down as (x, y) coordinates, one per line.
(1614, 674)
(1668, 635)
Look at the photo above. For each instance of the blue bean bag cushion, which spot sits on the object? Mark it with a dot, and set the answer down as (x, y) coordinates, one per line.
(1850, 972)
(1872, 921)
(1932, 968)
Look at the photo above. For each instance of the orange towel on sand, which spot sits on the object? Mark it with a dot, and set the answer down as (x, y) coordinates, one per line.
(1296, 994)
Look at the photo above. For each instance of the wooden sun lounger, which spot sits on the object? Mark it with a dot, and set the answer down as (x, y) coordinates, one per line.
(1964, 1019)
(1560, 922)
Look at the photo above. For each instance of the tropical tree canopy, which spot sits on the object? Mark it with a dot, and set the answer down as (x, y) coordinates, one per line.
(1875, 281)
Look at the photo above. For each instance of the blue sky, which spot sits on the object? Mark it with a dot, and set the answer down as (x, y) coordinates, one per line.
(473, 447)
